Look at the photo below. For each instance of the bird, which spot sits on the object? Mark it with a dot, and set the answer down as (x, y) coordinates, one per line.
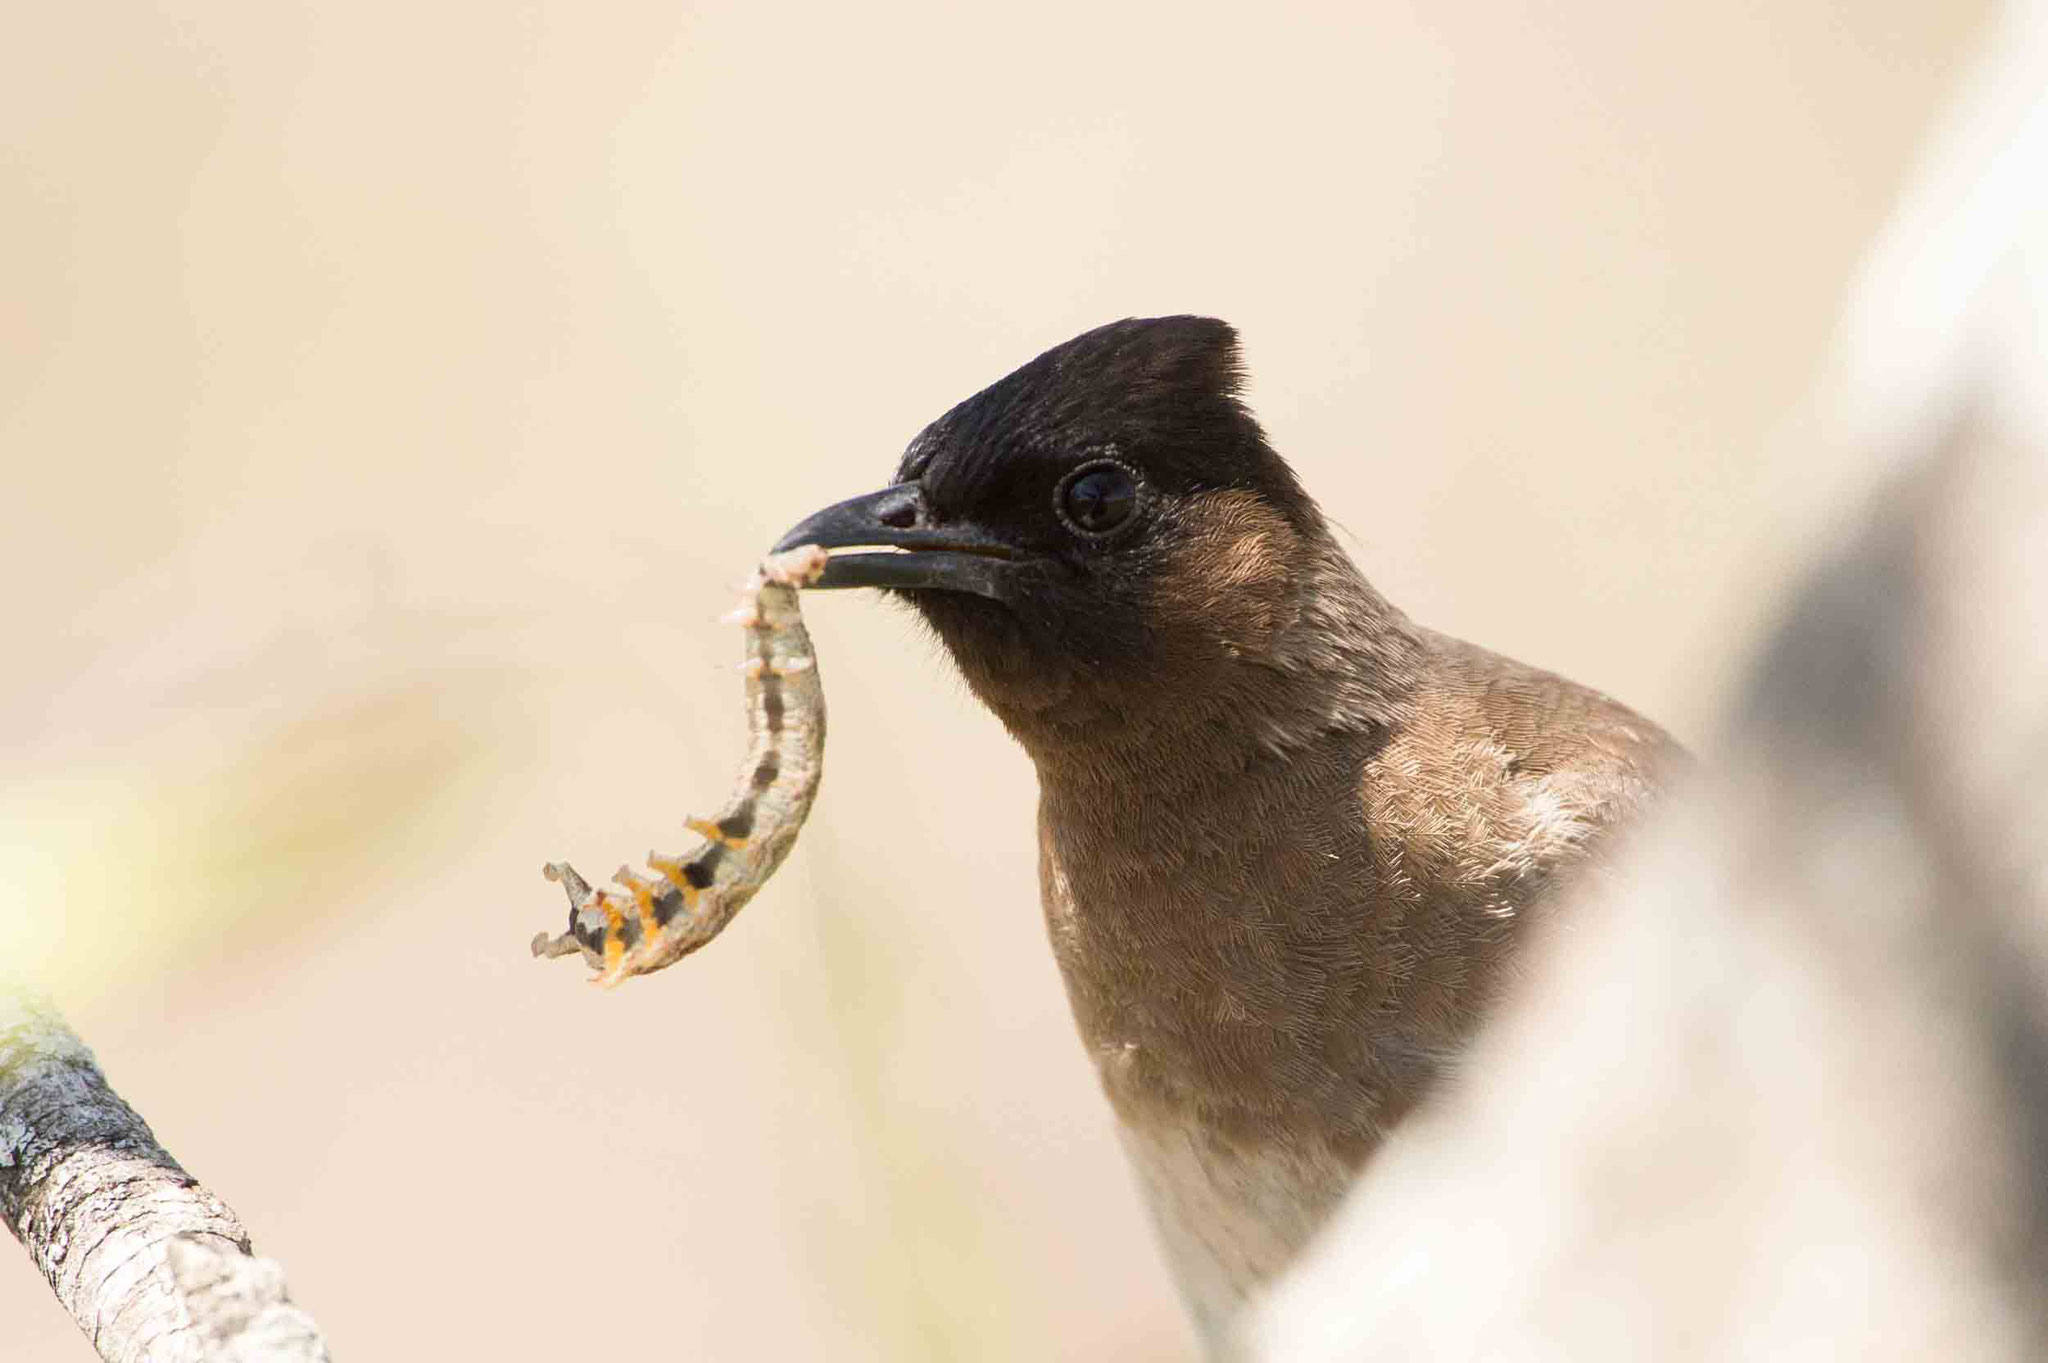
(1289, 841)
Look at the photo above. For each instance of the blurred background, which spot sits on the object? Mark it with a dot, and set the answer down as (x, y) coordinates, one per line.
(390, 397)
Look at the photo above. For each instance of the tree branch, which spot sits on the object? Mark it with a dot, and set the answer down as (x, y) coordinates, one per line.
(152, 1266)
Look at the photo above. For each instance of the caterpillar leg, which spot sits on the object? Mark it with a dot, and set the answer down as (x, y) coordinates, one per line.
(585, 936)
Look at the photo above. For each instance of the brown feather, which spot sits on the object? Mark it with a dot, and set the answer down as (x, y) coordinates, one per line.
(1282, 893)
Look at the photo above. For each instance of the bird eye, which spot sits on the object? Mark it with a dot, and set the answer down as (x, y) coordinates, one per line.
(1098, 498)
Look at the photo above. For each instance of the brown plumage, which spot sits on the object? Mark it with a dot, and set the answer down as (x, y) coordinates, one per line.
(1288, 839)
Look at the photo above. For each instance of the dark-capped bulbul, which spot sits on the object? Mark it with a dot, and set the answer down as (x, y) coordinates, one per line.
(1288, 839)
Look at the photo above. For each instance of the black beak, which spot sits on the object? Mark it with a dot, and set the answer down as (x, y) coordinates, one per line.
(921, 556)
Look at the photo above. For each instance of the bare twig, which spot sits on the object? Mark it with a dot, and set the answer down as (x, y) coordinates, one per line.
(152, 1266)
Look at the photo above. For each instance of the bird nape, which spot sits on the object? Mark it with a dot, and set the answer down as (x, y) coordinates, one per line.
(1288, 838)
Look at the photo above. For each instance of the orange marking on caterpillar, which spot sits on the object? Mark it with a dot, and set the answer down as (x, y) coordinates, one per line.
(643, 897)
(709, 830)
(769, 803)
(673, 869)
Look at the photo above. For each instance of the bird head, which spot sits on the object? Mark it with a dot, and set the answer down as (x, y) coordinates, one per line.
(1108, 516)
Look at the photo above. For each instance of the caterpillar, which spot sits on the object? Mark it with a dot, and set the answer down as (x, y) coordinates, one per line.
(653, 921)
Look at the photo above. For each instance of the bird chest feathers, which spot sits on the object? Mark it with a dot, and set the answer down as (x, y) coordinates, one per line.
(1270, 970)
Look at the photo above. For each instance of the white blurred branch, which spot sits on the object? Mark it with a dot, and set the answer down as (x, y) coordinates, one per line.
(152, 1266)
(1781, 1089)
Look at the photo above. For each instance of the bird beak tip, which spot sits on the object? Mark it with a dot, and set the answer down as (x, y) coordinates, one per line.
(912, 553)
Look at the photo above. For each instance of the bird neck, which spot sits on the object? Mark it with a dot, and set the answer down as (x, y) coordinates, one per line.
(1339, 659)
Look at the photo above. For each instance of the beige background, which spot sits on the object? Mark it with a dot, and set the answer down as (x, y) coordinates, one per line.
(389, 394)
